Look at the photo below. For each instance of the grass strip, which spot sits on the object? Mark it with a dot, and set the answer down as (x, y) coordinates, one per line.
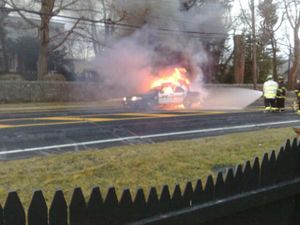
(145, 165)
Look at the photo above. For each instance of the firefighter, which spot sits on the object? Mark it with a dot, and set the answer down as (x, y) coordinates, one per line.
(297, 91)
(270, 90)
(281, 94)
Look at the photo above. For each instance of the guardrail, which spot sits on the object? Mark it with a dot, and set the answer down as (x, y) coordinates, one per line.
(264, 192)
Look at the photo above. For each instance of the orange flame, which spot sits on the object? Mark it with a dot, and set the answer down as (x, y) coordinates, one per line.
(173, 78)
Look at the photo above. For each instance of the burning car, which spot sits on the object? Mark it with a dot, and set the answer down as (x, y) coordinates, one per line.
(169, 91)
(141, 101)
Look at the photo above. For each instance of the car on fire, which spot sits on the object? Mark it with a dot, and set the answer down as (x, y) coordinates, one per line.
(164, 96)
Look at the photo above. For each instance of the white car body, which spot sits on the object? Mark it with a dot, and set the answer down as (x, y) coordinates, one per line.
(172, 95)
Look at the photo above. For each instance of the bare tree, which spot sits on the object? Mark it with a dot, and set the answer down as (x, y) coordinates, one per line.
(99, 23)
(47, 10)
(268, 10)
(292, 9)
(239, 59)
(250, 20)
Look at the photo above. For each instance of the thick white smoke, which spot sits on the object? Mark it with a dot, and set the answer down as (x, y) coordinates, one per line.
(168, 35)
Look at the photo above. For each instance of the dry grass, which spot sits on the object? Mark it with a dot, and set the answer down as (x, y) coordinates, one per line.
(137, 165)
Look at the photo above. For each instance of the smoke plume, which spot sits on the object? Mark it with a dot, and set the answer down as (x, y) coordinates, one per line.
(169, 35)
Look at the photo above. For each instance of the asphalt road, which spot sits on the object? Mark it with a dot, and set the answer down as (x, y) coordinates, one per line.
(43, 132)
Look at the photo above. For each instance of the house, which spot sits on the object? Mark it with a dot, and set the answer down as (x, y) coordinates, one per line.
(15, 28)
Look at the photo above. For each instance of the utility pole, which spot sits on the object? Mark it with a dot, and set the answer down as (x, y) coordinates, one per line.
(254, 65)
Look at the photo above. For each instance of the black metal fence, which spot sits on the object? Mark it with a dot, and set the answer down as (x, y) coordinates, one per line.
(258, 193)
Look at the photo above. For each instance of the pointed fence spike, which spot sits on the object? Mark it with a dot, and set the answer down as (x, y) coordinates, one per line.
(153, 206)
(288, 161)
(209, 190)
(220, 191)
(140, 198)
(58, 212)
(177, 194)
(238, 170)
(238, 179)
(256, 172)
(273, 156)
(295, 144)
(273, 168)
(177, 199)
(165, 199)
(281, 165)
(247, 177)
(256, 162)
(280, 154)
(247, 166)
(294, 158)
(126, 199)
(38, 210)
(198, 193)
(229, 182)
(165, 193)
(125, 212)
(78, 208)
(95, 207)
(111, 198)
(266, 171)
(14, 213)
(139, 205)
(95, 197)
(188, 193)
(288, 145)
(111, 204)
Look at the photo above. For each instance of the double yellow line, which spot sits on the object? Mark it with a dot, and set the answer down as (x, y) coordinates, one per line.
(63, 120)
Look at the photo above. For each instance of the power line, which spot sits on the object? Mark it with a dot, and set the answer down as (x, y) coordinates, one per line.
(107, 22)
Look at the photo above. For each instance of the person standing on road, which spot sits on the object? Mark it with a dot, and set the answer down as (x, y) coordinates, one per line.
(281, 94)
(270, 90)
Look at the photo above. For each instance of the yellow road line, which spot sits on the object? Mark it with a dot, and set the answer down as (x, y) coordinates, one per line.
(66, 118)
(41, 124)
(4, 126)
(78, 120)
(145, 114)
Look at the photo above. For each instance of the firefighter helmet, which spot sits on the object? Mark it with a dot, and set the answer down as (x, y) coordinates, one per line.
(269, 77)
(280, 78)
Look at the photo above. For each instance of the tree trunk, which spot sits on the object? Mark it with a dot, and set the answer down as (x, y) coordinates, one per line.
(4, 50)
(239, 59)
(42, 67)
(274, 59)
(94, 40)
(296, 61)
(254, 64)
(46, 10)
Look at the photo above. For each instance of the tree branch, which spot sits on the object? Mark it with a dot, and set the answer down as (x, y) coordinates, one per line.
(290, 19)
(282, 19)
(66, 37)
(91, 39)
(244, 14)
(63, 7)
(16, 9)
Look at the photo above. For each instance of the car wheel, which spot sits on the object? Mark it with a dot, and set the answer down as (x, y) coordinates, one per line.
(150, 105)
